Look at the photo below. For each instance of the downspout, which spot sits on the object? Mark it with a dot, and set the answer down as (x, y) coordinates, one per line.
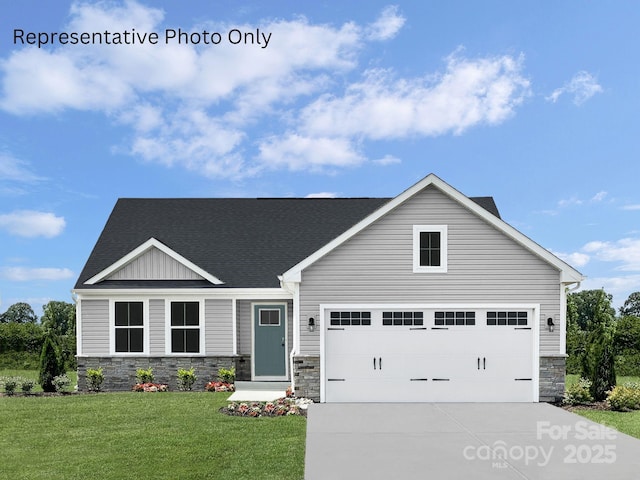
(293, 288)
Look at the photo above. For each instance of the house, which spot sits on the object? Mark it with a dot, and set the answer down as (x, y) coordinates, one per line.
(428, 296)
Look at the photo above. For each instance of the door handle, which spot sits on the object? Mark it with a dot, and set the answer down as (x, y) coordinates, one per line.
(283, 341)
(374, 363)
(478, 363)
(484, 363)
(380, 363)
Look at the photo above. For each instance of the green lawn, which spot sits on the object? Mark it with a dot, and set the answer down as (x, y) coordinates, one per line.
(144, 435)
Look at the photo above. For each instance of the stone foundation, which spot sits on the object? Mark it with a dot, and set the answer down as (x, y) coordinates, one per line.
(120, 372)
(306, 376)
(552, 374)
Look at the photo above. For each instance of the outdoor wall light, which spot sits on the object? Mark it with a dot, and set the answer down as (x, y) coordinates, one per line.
(311, 324)
(550, 324)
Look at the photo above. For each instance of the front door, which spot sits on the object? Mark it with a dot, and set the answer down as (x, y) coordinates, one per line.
(269, 342)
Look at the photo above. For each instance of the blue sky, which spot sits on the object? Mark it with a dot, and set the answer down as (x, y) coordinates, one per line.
(533, 104)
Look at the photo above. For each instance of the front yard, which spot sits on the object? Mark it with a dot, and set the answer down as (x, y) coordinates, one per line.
(144, 435)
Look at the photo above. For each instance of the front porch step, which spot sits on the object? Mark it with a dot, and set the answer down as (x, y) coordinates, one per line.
(262, 385)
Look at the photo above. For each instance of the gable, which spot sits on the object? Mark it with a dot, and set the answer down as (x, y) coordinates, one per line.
(154, 264)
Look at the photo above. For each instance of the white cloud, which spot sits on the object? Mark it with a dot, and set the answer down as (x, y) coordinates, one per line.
(598, 197)
(576, 259)
(24, 274)
(387, 25)
(387, 160)
(16, 170)
(620, 287)
(322, 195)
(582, 86)
(631, 207)
(626, 251)
(29, 223)
(569, 202)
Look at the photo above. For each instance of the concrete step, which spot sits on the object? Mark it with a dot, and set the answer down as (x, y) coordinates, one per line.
(259, 391)
(262, 386)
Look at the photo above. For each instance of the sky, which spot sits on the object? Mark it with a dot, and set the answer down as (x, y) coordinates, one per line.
(533, 103)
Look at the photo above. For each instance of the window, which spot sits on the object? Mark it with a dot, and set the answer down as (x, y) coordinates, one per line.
(402, 318)
(507, 318)
(185, 327)
(350, 318)
(269, 318)
(429, 248)
(455, 318)
(129, 329)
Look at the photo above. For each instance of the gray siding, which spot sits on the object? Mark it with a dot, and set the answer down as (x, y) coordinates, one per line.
(156, 327)
(95, 327)
(218, 327)
(243, 311)
(154, 265)
(484, 266)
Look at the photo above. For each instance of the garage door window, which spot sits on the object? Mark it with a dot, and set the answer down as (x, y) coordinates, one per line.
(455, 318)
(507, 318)
(402, 318)
(350, 318)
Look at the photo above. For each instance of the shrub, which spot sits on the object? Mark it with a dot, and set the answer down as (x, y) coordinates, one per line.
(186, 378)
(10, 385)
(150, 387)
(61, 382)
(219, 387)
(95, 378)
(227, 375)
(144, 376)
(27, 385)
(51, 365)
(624, 397)
(578, 393)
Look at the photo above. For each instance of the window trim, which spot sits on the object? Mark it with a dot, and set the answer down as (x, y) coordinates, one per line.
(168, 327)
(443, 231)
(112, 327)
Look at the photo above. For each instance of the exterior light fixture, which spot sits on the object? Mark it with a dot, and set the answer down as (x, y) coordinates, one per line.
(311, 324)
(550, 324)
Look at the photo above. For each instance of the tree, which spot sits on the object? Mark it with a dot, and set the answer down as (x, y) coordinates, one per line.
(627, 336)
(576, 338)
(51, 365)
(598, 360)
(631, 306)
(19, 313)
(59, 318)
(587, 301)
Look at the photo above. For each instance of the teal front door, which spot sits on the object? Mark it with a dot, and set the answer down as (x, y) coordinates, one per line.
(269, 342)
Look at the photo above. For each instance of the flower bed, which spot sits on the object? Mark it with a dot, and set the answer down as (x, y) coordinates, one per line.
(278, 408)
(150, 387)
(220, 387)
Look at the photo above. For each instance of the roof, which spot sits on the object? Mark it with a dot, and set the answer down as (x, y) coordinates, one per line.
(246, 243)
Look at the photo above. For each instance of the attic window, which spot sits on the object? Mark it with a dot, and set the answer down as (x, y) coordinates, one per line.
(429, 248)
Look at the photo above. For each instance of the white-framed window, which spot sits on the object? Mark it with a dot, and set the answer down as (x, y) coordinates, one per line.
(185, 327)
(429, 248)
(129, 327)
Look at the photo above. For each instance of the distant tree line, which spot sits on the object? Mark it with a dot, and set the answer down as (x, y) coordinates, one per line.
(602, 343)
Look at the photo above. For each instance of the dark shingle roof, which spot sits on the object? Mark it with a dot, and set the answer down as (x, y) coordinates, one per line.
(244, 242)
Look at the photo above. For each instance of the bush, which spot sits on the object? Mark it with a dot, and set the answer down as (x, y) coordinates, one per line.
(27, 385)
(579, 393)
(51, 365)
(624, 397)
(10, 385)
(186, 378)
(144, 376)
(21, 337)
(227, 375)
(19, 361)
(95, 378)
(628, 364)
(61, 382)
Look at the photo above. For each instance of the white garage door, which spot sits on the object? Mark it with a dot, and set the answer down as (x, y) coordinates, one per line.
(429, 354)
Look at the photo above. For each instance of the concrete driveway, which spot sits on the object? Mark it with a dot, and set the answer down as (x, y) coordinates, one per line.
(463, 441)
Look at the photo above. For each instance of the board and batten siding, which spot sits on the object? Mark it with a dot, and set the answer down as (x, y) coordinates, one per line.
(95, 327)
(218, 320)
(243, 311)
(156, 327)
(484, 266)
(154, 265)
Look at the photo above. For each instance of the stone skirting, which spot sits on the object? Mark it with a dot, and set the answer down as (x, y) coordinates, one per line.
(306, 376)
(120, 372)
(552, 374)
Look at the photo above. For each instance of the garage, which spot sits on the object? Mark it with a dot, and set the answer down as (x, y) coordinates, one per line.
(429, 353)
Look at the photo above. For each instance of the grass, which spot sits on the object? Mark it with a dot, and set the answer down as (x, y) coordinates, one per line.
(144, 435)
(570, 379)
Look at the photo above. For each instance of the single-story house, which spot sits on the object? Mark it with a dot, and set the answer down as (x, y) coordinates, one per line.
(427, 296)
